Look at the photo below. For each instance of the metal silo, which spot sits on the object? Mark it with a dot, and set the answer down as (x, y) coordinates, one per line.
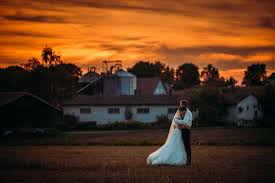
(128, 82)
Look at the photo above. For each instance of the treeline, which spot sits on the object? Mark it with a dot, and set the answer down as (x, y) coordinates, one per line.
(51, 78)
(188, 75)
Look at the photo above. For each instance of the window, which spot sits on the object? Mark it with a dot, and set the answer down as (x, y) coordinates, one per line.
(172, 110)
(113, 110)
(143, 110)
(240, 110)
(256, 114)
(85, 110)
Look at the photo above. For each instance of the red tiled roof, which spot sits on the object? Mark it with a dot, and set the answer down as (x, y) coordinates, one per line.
(147, 86)
(122, 100)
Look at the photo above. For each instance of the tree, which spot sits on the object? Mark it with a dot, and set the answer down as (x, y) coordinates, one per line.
(267, 101)
(210, 73)
(187, 75)
(157, 69)
(211, 76)
(13, 78)
(48, 55)
(231, 82)
(255, 75)
(32, 64)
(212, 106)
(168, 74)
(54, 81)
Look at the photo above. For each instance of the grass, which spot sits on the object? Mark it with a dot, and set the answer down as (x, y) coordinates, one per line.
(206, 136)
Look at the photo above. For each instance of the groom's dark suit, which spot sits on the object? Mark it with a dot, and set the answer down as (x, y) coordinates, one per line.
(186, 133)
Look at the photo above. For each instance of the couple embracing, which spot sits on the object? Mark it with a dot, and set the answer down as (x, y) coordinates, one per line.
(176, 149)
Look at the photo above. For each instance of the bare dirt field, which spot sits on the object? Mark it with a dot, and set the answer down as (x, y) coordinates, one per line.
(38, 164)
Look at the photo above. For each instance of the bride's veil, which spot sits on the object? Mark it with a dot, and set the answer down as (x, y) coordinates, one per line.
(161, 149)
(171, 128)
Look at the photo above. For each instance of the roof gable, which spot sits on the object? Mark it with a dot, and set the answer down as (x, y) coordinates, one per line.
(160, 89)
(147, 86)
(8, 97)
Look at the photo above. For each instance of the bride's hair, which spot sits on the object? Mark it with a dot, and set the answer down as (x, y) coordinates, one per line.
(182, 108)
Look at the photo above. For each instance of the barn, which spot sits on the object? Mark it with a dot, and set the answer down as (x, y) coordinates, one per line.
(25, 110)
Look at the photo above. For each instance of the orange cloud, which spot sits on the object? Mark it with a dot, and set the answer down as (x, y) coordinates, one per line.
(228, 34)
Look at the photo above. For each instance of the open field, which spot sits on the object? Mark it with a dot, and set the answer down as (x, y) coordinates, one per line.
(202, 136)
(119, 164)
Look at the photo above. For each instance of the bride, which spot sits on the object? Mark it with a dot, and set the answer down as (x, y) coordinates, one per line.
(173, 151)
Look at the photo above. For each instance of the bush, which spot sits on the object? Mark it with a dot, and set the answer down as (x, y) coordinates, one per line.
(125, 125)
(268, 100)
(162, 122)
(212, 106)
(68, 122)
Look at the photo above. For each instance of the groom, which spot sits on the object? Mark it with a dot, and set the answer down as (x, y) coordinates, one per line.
(186, 130)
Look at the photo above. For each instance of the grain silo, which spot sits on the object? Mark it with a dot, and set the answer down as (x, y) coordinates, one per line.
(128, 82)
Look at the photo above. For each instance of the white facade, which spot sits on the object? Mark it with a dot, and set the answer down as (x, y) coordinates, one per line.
(102, 115)
(245, 112)
(160, 89)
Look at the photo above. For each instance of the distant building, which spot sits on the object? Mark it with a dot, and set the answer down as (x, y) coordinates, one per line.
(244, 110)
(89, 77)
(120, 96)
(108, 109)
(272, 78)
(121, 83)
(23, 109)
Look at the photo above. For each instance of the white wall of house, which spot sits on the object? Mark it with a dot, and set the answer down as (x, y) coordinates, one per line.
(245, 112)
(251, 109)
(101, 115)
(154, 111)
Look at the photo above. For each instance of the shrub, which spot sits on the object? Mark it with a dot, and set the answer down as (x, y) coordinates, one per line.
(162, 122)
(212, 106)
(129, 125)
(68, 122)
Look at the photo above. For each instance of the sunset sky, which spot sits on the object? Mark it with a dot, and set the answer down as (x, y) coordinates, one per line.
(228, 34)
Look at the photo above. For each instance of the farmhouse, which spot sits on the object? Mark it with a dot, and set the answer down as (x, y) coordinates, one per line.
(119, 96)
(107, 109)
(244, 110)
(23, 109)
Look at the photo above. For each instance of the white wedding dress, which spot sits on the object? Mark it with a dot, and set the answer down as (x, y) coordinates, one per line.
(173, 151)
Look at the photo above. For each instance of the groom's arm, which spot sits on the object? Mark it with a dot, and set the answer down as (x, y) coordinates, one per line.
(186, 122)
(179, 123)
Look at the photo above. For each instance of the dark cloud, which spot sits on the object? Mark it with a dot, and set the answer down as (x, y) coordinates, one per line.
(237, 64)
(267, 22)
(26, 34)
(35, 18)
(242, 51)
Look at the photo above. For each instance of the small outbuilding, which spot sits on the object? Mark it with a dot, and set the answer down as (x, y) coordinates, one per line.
(25, 110)
(244, 110)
